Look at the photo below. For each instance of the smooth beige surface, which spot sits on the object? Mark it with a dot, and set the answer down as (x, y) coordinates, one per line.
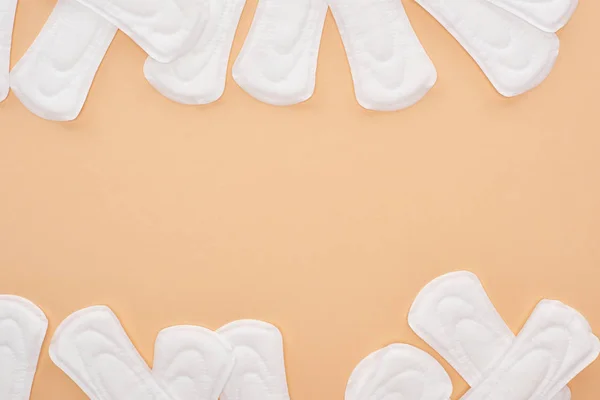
(322, 218)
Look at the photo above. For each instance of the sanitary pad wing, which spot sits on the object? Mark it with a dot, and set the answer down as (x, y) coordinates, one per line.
(55, 75)
(259, 371)
(455, 316)
(198, 77)
(515, 55)
(554, 346)
(399, 371)
(7, 19)
(165, 29)
(22, 330)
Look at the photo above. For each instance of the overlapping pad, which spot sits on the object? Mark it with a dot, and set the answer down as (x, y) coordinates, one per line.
(165, 29)
(555, 345)
(193, 363)
(259, 371)
(241, 361)
(515, 55)
(198, 77)
(54, 76)
(92, 348)
(399, 371)
(22, 330)
(454, 315)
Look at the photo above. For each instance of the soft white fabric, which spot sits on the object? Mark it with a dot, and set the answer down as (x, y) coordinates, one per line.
(165, 29)
(22, 330)
(7, 19)
(55, 75)
(399, 371)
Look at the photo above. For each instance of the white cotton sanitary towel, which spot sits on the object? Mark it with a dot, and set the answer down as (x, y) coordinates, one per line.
(390, 68)
(399, 371)
(259, 371)
(192, 362)
(165, 29)
(7, 20)
(199, 76)
(455, 316)
(555, 345)
(278, 62)
(55, 75)
(515, 55)
(92, 348)
(22, 330)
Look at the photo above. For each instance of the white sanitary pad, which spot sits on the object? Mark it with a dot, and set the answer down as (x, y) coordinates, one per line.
(7, 19)
(454, 315)
(389, 66)
(198, 77)
(193, 363)
(547, 15)
(554, 346)
(22, 330)
(54, 76)
(399, 371)
(278, 62)
(259, 371)
(165, 29)
(92, 348)
(515, 55)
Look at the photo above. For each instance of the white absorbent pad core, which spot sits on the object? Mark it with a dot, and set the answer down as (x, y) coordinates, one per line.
(192, 362)
(399, 371)
(54, 76)
(278, 62)
(198, 77)
(165, 29)
(259, 371)
(547, 15)
(515, 55)
(22, 330)
(555, 345)
(7, 20)
(92, 348)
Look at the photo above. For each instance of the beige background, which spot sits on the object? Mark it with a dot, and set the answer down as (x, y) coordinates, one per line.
(322, 218)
